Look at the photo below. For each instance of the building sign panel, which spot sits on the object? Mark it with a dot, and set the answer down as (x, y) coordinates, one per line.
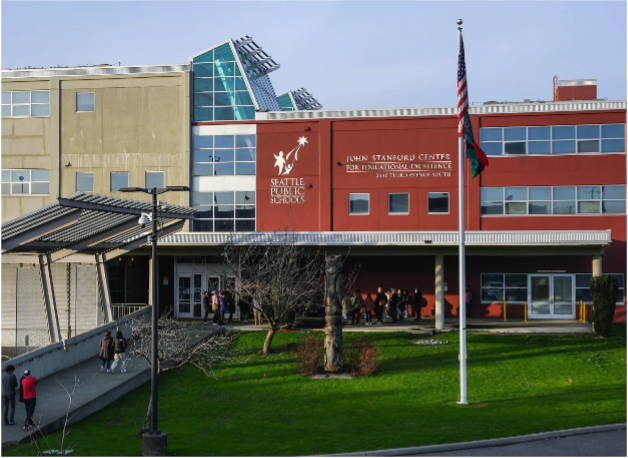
(288, 190)
(401, 165)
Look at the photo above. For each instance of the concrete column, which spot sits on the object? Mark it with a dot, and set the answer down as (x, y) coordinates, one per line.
(597, 265)
(439, 292)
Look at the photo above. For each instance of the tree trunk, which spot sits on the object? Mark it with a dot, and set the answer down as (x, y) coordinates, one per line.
(334, 357)
(268, 341)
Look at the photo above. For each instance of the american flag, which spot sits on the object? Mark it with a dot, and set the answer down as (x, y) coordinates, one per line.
(463, 100)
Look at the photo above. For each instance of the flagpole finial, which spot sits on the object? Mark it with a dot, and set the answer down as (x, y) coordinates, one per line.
(459, 22)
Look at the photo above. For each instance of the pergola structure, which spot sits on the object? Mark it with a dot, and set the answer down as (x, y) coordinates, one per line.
(85, 228)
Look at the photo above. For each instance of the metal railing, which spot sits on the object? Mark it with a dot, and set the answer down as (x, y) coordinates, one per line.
(124, 309)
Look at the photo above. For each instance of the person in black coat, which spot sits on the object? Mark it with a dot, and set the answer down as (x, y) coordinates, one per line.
(119, 350)
(417, 303)
(206, 306)
(380, 303)
(106, 351)
(245, 308)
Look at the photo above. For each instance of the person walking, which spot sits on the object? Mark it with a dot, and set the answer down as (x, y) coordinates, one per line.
(106, 351)
(206, 306)
(230, 301)
(403, 303)
(468, 299)
(393, 301)
(243, 305)
(417, 303)
(29, 397)
(356, 306)
(368, 309)
(9, 384)
(216, 307)
(380, 303)
(223, 308)
(119, 350)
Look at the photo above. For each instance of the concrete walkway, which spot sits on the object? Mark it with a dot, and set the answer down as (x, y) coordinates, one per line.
(99, 390)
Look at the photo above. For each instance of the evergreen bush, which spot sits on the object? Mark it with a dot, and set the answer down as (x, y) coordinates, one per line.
(604, 294)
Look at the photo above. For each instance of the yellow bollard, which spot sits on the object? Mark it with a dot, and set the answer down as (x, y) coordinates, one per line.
(504, 308)
(525, 312)
(581, 318)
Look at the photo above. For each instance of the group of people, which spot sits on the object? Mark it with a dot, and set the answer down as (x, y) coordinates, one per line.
(394, 303)
(28, 395)
(222, 303)
(113, 350)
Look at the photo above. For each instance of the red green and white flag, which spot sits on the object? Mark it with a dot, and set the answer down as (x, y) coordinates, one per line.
(474, 153)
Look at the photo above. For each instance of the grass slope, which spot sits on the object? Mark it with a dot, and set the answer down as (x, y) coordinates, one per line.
(516, 385)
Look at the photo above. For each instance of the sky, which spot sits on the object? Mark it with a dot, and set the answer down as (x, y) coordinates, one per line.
(349, 55)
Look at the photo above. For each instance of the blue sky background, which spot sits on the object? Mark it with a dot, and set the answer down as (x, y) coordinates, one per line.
(348, 54)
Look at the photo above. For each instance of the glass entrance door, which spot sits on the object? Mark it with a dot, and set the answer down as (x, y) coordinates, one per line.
(551, 296)
(184, 307)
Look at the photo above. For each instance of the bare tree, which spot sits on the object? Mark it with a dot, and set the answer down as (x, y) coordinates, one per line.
(275, 275)
(178, 346)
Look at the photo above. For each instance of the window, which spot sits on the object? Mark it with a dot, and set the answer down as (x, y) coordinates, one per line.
(398, 204)
(220, 88)
(85, 182)
(583, 288)
(553, 200)
(155, 179)
(25, 182)
(590, 138)
(224, 211)
(358, 204)
(508, 287)
(26, 103)
(438, 202)
(119, 180)
(219, 155)
(84, 101)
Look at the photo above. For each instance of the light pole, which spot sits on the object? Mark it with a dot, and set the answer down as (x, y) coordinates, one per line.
(155, 443)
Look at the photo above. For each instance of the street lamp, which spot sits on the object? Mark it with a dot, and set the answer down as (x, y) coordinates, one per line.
(155, 443)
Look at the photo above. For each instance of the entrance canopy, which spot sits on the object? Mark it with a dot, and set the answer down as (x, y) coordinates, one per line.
(89, 224)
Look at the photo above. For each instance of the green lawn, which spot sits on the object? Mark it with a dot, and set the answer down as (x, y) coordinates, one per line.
(516, 385)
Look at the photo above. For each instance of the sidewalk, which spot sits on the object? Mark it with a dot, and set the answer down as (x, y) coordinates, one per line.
(100, 389)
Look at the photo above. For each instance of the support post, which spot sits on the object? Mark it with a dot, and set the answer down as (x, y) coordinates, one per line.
(54, 327)
(597, 265)
(154, 424)
(439, 292)
(103, 283)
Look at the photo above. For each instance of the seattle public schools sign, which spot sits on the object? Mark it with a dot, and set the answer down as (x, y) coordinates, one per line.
(288, 190)
(401, 165)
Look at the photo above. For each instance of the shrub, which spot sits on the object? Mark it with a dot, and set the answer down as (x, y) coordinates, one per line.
(604, 293)
(310, 355)
(365, 357)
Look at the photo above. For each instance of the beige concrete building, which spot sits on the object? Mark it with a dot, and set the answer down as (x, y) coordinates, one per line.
(93, 129)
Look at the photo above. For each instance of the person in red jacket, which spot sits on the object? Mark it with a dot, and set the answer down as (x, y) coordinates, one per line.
(29, 394)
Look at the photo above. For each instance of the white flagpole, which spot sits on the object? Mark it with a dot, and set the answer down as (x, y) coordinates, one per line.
(461, 261)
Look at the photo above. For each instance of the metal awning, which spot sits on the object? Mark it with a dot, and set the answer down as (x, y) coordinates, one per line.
(87, 223)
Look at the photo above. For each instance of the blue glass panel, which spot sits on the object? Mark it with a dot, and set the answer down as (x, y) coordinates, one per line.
(84, 101)
(22, 110)
(6, 110)
(223, 168)
(514, 133)
(563, 132)
(203, 211)
(492, 149)
(613, 146)
(563, 147)
(40, 110)
(589, 131)
(224, 68)
(203, 141)
(541, 193)
(205, 57)
(224, 141)
(223, 53)
(245, 211)
(613, 192)
(245, 197)
(243, 113)
(264, 93)
(491, 134)
(398, 203)
(203, 99)
(237, 70)
(245, 168)
(202, 198)
(119, 180)
(6, 97)
(203, 84)
(203, 114)
(245, 225)
(491, 194)
(564, 192)
(539, 147)
(492, 208)
(224, 198)
(243, 98)
(516, 193)
(224, 114)
(203, 169)
(40, 175)
(224, 99)
(539, 133)
(223, 225)
(613, 131)
(40, 188)
(245, 141)
(40, 97)
(224, 84)
(224, 155)
(16, 174)
(203, 155)
(540, 207)
(589, 146)
(240, 85)
(614, 206)
(515, 148)
(245, 155)
(203, 226)
(285, 102)
(203, 70)
(588, 192)
(22, 97)
(564, 207)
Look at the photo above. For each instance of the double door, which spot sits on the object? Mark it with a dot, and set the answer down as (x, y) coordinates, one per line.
(190, 292)
(551, 296)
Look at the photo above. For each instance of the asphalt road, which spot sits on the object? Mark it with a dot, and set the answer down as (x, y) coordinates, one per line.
(611, 443)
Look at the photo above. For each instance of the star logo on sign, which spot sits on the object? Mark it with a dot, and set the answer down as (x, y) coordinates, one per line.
(302, 141)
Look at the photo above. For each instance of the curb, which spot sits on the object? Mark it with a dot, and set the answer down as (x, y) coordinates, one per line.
(412, 451)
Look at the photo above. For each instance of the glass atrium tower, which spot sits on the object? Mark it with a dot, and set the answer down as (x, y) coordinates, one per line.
(300, 99)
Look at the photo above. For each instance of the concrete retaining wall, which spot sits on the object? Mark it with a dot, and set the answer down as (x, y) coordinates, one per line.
(52, 358)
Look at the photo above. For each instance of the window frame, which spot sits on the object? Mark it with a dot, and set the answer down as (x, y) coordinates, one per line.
(448, 203)
(30, 183)
(213, 152)
(84, 173)
(368, 203)
(551, 140)
(398, 213)
(163, 174)
(620, 288)
(551, 201)
(198, 207)
(29, 104)
(85, 111)
(111, 180)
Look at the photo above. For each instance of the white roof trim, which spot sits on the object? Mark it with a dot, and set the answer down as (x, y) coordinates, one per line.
(537, 107)
(89, 71)
(442, 238)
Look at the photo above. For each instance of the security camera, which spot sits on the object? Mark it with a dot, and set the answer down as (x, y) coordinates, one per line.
(144, 219)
